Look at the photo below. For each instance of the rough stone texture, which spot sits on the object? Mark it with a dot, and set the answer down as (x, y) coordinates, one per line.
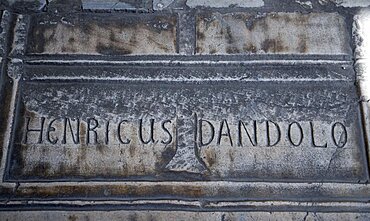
(287, 119)
(112, 4)
(352, 3)
(361, 32)
(176, 215)
(278, 125)
(25, 5)
(103, 34)
(224, 3)
(272, 33)
(161, 4)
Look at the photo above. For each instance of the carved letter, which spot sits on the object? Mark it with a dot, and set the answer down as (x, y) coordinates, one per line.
(254, 141)
(220, 134)
(151, 136)
(268, 134)
(76, 140)
(212, 130)
(107, 133)
(313, 138)
(34, 130)
(50, 129)
(343, 136)
(127, 141)
(92, 129)
(290, 134)
(169, 140)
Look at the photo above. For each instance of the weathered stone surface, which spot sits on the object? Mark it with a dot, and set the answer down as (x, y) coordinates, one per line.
(220, 129)
(112, 4)
(102, 34)
(179, 215)
(271, 126)
(161, 4)
(272, 33)
(352, 3)
(225, 3)
(25, 5)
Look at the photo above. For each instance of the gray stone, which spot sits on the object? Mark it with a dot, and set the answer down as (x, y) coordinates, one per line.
(361, 33)
(352, 3)
(161, 4)
(225, 3)
(25, 5)
(171, 116)
(272, 33)
(103, 34)
(179, 215)
(112, 4)
(230, 129)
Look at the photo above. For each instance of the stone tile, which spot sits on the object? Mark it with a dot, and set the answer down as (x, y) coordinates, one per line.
(272, 33)
(211, 128)
(112, 4)
(103, 34)
(179, 215)
(25, 5)
(352, 3)
(225, 3)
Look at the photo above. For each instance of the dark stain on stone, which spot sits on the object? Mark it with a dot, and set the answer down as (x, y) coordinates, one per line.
(159, 45)
(210, 157)
(272, 45)
(212, 51)
(232, 50)
(229, 36)
(41, 169)
(166, 156)
(72, 218)
(131, 150)
(112, 37)
(200, 35)
(302, 44)
(199, 50)
(71, 40)
(249, 48)
(111, 49)
(100, 148)
(249, 24)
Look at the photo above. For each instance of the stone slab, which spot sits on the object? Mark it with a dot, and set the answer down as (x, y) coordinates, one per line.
(102, 34)
(179, 215)
(352, 3)
(224, 3)
(272, 33)
(25, 5)
(112, 4)
(126, 127)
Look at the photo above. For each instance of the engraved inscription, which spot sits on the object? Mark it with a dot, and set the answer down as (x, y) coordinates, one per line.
(223, 131)
(67, 131)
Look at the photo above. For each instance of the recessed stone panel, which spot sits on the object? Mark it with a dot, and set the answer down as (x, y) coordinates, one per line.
(174, 128)
(272, 33)
(102, 34)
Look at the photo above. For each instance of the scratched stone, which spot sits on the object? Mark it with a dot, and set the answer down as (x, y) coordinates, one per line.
(209, 129)
(271, 33)
(103, 34)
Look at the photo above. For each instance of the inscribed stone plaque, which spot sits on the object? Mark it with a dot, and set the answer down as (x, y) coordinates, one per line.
(187, 123)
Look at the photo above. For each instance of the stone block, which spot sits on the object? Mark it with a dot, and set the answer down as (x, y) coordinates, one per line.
(215, 129)
(103, 34)
(25, 5)
(225, 3)
(112, 4)
(272, 33)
